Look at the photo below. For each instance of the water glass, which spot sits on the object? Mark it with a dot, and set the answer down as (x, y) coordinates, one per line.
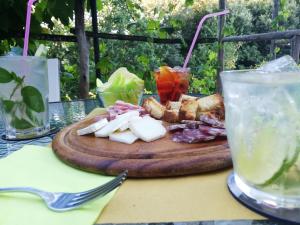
(263, 130)
(24, 96)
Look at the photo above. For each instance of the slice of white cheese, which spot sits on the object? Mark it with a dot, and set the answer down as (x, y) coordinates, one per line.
(148, 116)
(147, 129)
(134, 118)
(115, 124)
(93, 127)
(124, 126)
(126, 137)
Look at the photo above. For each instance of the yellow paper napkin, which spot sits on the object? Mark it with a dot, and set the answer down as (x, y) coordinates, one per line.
(38, 167)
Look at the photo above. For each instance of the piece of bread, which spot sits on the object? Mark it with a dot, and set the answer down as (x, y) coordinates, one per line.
(171, 115)
(154, 108)
(188, 110)
(173, 105)
(211, 102)
(187, 97)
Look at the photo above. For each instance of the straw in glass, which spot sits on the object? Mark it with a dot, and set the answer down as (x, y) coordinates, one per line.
(27, 26)
(198, 31)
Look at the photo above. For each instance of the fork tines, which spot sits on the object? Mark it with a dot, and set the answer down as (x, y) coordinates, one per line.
(83, 197)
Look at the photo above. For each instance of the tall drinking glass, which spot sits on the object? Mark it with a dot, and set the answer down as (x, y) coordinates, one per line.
(263, 130)
(24, 96)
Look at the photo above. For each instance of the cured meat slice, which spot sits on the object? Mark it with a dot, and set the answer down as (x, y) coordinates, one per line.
(212, 130)
(214, 122)
(192, 122)
(176, 127)
(181, 126)
(121, 107)
(191, 136)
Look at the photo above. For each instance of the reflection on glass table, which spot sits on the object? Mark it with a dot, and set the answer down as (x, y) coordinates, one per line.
(61, 114)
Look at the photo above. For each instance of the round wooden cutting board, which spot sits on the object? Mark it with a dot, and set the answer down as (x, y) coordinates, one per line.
(160, 158)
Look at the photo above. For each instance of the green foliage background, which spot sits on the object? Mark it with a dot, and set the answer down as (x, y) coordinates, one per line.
(170, 20)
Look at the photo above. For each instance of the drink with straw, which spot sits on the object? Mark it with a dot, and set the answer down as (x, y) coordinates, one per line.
(171, 83)
(263, 130)
(24, 92)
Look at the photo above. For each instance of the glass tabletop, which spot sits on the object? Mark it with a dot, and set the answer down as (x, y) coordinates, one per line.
(65, 113)
(61, 114)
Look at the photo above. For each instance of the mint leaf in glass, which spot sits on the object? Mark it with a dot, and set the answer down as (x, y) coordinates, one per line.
(32, 117)
(20, 124)
(8, 105)
(5, 76)
(33, 98)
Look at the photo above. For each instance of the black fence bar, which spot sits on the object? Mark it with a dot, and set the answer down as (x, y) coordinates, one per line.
(243, 38)
(93, 4)
(44, 37)
(72, 38)
(263, 36)
(124, 37)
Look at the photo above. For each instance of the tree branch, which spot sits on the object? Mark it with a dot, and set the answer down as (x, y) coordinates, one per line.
(82, 48)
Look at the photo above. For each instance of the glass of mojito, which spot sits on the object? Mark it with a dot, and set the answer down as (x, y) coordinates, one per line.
(24, 96)
(263, 130)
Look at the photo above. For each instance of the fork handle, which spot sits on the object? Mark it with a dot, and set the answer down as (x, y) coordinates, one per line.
(22, 189)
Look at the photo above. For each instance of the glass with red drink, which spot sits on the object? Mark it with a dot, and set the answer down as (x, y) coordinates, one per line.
(171, 83)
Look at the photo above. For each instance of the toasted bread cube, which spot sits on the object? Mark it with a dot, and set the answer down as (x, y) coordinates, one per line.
(173, 105)
(184, 97)
(188, 110)
(154, 108)
(171, 115)
(211, 102)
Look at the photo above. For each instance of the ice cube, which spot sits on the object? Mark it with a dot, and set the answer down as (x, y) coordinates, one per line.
(285, 63)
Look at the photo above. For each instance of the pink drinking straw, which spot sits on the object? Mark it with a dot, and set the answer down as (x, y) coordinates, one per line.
(198, 31)
(27, 26)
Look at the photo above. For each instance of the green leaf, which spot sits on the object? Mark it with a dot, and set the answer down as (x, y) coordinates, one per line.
(104, 65)
(102, 48)
(277, 50)
(144, 60)
(32, 117)
(33, 98)
(130, 4)
(8, 105)
(20, 124)
(163, 34)
(152, 24)
(18, 80)
(99, 5)
(5, 76)
(189, 2)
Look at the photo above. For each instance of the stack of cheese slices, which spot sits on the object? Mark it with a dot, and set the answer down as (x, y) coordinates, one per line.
(127, 128)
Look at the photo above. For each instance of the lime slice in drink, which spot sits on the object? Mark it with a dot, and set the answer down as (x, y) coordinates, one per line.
(265, 157)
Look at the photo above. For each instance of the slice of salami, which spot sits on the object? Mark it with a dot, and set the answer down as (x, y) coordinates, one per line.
(212, 121)
(121, 107)
(191, 136)
(212, 130)
(191, 122)
(176, 127)
(178, 137)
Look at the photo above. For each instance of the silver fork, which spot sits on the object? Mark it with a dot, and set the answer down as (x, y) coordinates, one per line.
(60, 201)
